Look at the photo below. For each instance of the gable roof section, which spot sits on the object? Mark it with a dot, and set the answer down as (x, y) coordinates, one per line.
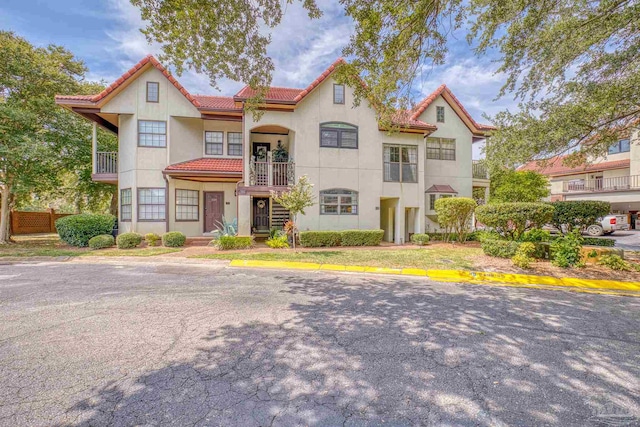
(457, 106)
(556, 167)
(441, 188)
(201, 102)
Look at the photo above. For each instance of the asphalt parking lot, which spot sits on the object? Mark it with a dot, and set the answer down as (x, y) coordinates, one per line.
(141, 344)
(626, 239)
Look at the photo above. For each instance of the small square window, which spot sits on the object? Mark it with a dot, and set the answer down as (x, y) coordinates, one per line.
(338, 94)
(440, 114)
(153, 91)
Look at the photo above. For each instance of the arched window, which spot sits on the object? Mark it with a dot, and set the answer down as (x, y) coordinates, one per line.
(338, 201)
(338, 135)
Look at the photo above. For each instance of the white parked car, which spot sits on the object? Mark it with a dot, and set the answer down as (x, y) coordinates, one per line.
(608, 225)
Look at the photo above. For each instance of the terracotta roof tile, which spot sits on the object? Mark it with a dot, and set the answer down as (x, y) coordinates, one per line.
(403, 118)
(556, 167)
(208, 164)
(424, 104)
(319, 80)
(274, 93)
(442, 188)
(216, 102)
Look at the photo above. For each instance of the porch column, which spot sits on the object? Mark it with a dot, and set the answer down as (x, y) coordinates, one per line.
(94, 148)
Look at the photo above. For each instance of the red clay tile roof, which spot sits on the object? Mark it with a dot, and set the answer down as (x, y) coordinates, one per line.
(314, 84)
(274, 93)
(441, 189)
(555, 166)
(424, 104)
(403, 118)
(208, 164)
(216, 102)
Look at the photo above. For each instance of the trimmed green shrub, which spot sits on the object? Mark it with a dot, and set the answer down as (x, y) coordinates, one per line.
(591, 241)
(579, 214)
(511, 220)
(173, 239)
(524, 255)
(565, 251)
(313, 239)
(535, 235)
(454, 216)
(152, 239)
(361, 237)
(278, 242)
(482, 235)
(420, 239)
(500, 248)
(76, 230)
(474, 236)
(128, 240)
(225, 243)
(102, 241)
(614, 262)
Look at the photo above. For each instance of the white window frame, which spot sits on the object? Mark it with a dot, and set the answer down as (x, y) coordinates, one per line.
(163, 204)
(129, 217)
(186, 200)
(221, 143)
(152, 133)
(235, 144)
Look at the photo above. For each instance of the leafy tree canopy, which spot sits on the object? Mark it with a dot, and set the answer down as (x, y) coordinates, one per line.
(573, 64)
(518, 186)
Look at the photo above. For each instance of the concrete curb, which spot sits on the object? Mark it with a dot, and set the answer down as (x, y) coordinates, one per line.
(461, 276)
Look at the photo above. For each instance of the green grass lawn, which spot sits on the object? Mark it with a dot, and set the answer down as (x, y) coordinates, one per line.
(454, 258)
(49, 245)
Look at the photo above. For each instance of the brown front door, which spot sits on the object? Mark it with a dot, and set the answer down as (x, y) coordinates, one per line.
(261, 215)
(213, 209)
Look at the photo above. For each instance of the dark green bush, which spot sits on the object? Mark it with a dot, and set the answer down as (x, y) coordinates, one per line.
(128, 240)
(565, 251)
(500, 248)
(614, 262)
(313, 239)
(579, 214)
(511, 220)
(591, 241)
(152, 239)
(361, 237)
(524, 255)
(102, 241)
(535, 235)
(225, 243)
(173, 239)
(76, 230)
(474, 236)
(420, 239)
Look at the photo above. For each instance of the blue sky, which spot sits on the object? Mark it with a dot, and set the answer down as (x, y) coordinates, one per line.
(105, 35)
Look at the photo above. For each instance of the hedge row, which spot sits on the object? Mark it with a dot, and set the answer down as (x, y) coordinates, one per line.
(225, 243)
(313, 239)
(77, 230)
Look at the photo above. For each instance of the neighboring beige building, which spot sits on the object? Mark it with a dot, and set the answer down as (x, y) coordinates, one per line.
(186, 160)
(613, 178)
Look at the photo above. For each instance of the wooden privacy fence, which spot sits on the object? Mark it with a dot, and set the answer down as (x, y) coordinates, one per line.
(34, 222)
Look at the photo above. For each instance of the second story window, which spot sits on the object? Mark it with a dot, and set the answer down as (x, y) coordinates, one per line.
(153, 91)
(338, 135)
(338, 202)
(621, 146)
(234, 143)
(213, 143)
(338, 94)
(441, 149)
(440, 114)
(152, 133)
(400, 163)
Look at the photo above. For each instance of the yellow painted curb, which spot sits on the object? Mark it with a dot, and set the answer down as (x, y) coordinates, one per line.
(474, 277)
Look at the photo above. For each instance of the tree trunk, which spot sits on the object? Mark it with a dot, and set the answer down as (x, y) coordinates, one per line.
(5, 227)
(113, 207)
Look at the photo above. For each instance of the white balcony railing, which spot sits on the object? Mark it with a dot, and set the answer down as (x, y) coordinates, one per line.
(269, 173)
(106, 162)
(602, 184)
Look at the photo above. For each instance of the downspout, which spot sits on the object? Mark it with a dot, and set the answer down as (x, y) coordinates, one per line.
(166, 203)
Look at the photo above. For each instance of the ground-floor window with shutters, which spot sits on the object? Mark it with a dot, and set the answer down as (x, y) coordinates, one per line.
(187, 205)
(151, 204)
(338, 201)
(125, 204)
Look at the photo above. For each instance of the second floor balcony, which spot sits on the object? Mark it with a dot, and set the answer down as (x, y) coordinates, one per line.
(105, 167)
(479, 171)
(268, 173)
(619, 183)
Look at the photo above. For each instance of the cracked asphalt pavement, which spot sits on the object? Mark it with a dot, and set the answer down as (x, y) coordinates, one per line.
(84, 344)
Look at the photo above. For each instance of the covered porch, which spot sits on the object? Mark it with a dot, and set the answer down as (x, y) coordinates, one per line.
(271, 154)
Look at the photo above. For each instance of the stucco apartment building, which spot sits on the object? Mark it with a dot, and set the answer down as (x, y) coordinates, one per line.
(186, 160)
(614, 178)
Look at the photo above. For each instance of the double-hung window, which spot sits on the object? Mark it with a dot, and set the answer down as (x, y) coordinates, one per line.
(338, 94)
(440, 114)
(187, 205)
(151, 204)
(234, 143)
(152, 133)
(125, 204)
(400, 163)
(338, 135)
(213, 143)
(338, 201)
(153, 92)
(441, 148)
